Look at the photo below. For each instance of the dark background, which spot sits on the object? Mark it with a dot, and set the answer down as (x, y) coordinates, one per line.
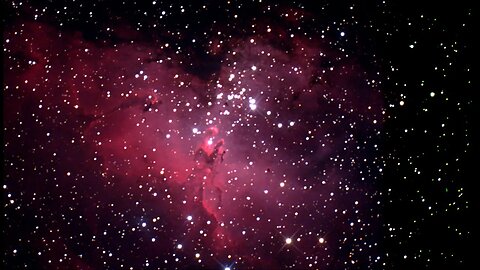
(379, 35)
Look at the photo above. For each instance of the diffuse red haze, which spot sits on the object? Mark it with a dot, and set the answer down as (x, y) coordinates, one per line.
(223, 169)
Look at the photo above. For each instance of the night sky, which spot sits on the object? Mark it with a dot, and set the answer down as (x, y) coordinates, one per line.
(238, 135)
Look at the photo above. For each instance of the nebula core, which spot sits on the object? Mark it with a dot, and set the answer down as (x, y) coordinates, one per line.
(222, 149)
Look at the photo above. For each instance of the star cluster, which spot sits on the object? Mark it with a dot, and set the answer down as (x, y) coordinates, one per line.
(235, 135)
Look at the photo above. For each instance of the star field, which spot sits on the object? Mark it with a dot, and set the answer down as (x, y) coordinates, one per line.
(237, 135)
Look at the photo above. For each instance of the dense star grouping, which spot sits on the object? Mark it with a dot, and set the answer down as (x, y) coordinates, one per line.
(234, 136)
